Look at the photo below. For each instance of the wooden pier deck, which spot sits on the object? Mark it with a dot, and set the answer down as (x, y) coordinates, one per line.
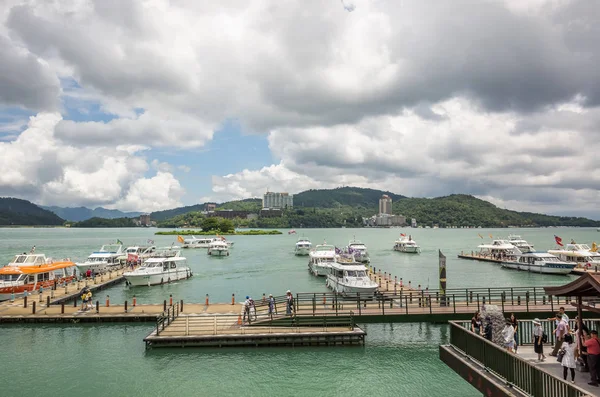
(224, 330)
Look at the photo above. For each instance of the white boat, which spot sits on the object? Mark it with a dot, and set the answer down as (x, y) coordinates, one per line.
(580, 254)
(407, 244)
(348, 277)
(539, 262)
(136, 252)
(107, 258)
(165, 266)
(521, 244)
(204, 242)
(359, 250)
(303, 247)
(499, 249)
(218, 248)
(321, 258)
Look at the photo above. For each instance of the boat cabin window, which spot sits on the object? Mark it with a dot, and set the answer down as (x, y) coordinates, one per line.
(59, 273)
(43, 276)
(20, 258)
(31, 279)
(350, 273)
(173, 265)
(9, 277)
(360, 273)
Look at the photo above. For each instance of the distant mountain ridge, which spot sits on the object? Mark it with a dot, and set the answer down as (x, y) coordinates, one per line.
(77, 214)
(347, 195)
(17, 212)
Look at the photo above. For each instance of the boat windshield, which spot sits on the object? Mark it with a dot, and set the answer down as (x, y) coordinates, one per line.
(355, 273)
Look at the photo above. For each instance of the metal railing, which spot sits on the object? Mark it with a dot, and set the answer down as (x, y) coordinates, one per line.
(516, 371)
(166, 318)
(403, 301)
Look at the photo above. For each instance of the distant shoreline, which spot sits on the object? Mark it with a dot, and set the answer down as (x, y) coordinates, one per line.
(189, 232)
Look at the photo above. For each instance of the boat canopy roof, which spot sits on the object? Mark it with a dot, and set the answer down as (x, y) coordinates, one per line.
(324, 247)
(158, 259)
(46, 267)
(28, 260)
(219, 243)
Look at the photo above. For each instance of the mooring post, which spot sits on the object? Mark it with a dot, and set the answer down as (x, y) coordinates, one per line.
(165, 305)
(170, 299)
(125, 306)
(97, 307)
(107, 301)
(134, 302)
(206, 300)
(33, 307)
(47, 301)
(232, 299)
(75, 302)
(62, 308)
(181, 306)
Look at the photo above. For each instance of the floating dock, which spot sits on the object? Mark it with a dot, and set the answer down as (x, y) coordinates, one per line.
(477, 257)
(223, 331)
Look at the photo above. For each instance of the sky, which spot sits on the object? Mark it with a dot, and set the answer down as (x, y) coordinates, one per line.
(143, 105)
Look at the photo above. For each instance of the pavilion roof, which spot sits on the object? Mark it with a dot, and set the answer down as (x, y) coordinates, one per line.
(586, 285)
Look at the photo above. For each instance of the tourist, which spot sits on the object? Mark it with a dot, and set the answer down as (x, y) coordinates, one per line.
(580, 336)
(89, 300)
(271, 305)
(515, 325)
(290, 303)
(420, 293)
(88, 273)
(563, 316)
(476, 323)
(559, 333)
(538, 341)
(508, 334)
(252, 309)
(593, 352)
(568, 360)
(247, 309)
(487, 333)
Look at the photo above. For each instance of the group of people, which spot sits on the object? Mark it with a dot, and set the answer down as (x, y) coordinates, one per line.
(571, 345)
(86, 299)
(249, 310)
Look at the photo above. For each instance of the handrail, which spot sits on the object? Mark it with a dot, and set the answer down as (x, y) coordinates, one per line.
(518, 373)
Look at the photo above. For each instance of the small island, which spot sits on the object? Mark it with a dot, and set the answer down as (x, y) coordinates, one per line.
(252, 232)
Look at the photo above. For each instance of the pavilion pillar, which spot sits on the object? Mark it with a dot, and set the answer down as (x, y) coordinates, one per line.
(580, 321)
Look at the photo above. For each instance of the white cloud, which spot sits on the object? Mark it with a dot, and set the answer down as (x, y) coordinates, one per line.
(184, 168)
(42, 168)
(422, 98)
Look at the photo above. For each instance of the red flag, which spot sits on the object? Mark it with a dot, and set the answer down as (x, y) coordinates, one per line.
(558, 240)
(132, 257)
(403, 235)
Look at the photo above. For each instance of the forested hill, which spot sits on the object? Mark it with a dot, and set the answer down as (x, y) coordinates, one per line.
(77, 214)
(17, 212)
(167, 214)
(465, 210)
(342, 196)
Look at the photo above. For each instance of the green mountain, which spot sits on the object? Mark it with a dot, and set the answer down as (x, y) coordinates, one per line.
(251, 204)
(19, 212)
(342, 196)
(167, 214)
(77, 214)
(465, 210)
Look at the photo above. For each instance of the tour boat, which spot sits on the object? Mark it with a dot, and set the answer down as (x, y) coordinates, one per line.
(359, 250)
(29, 272)
(165, 266)
(539, 262)
(107, 258)
(580, 254)
(348, 277)
(521, 244)
(135, 252)
(204, 242)
(321, 258)
(498, 249)
(218, 248)
(303, 247)
(407, 244)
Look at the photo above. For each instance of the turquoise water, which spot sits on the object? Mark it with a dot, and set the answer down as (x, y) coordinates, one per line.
(399, 359)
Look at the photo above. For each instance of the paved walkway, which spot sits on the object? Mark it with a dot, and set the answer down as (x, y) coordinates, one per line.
(553, 367)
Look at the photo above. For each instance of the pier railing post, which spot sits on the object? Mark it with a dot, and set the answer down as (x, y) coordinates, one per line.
(406, 304)
(165, 305)
(478, 309)
(512, 297)
(314, 304)
(551, 303)
(62, 308)
(454, 303)
(97, 307)
(527, 300)
(33, 307)
(534, 297)
(125, 306)
(181, 306)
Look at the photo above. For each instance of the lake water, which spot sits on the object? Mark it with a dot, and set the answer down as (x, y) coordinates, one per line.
(398, 359)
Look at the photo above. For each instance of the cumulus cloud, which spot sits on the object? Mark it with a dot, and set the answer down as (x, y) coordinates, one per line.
(40, 167)
(423, 98)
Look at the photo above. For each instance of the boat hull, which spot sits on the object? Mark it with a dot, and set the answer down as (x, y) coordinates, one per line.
(6, 292)
(351, 288)
(218, 252)
(302, 251)
(319, 269)
(97, 268)
(543, 269)
(408, 250)
(139, 279)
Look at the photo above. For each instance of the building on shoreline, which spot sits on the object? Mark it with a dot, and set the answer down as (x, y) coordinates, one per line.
(385, 205)
(277, 200)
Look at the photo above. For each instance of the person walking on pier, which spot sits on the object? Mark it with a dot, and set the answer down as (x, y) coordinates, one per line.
(593, 352)
(515, 325)
(246, 310)
(508, 333)
(562, 328)
(568, 360)
(538, 339)
(290, 303)
(271, 305)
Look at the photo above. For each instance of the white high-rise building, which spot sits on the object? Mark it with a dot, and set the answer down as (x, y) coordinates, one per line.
(277, 200)
(385, 205)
